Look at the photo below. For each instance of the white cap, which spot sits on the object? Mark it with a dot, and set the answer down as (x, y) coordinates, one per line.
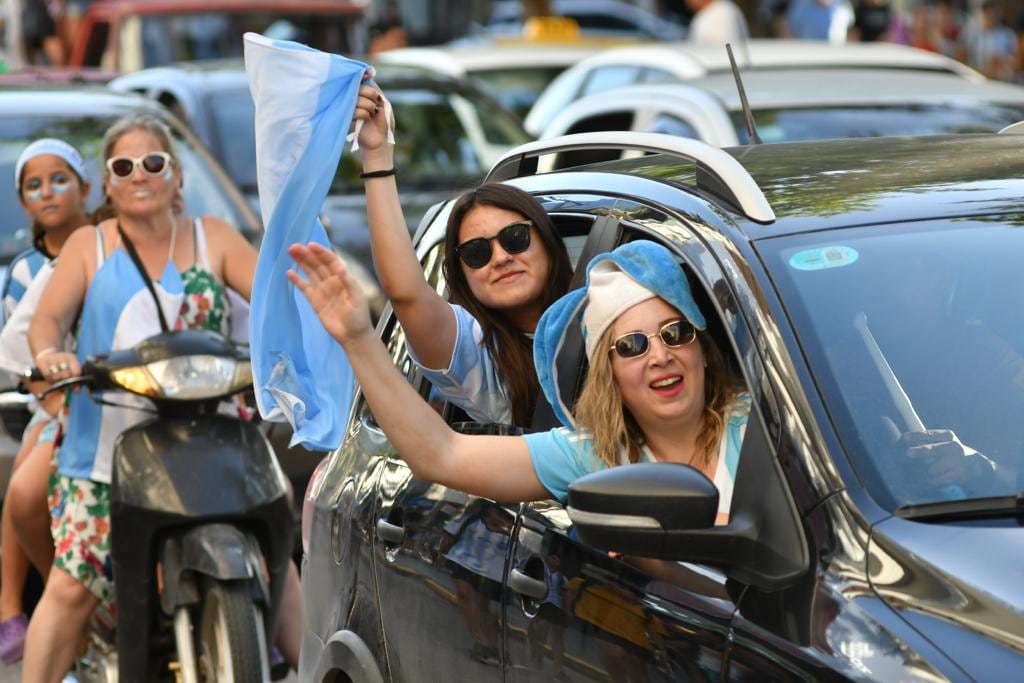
(610, 294)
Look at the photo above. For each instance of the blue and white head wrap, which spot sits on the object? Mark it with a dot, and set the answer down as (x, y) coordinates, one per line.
(49, 146)
(616, 281)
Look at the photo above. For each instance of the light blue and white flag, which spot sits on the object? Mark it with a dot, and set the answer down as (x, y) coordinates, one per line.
(305, 100)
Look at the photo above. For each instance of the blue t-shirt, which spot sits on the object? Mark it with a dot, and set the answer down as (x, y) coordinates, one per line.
(20, 273)
(561, 456)
(471, 380)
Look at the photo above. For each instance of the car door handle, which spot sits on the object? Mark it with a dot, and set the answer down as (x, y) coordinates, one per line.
(527, 585)
(391, 533)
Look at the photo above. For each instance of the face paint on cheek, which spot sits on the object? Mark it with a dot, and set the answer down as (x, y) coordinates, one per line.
(60, 183)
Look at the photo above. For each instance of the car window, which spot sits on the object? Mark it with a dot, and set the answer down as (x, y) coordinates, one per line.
(204, 193)
(826, 123)
(651, 75)
(911, 327)
(433, 147)
(516, 89)
(673, 125)
(233, 113)
(611, 76)
(168, 38)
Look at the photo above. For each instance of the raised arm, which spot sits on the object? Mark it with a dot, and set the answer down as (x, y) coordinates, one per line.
(497, 467)
(59, 303)
(427, 319)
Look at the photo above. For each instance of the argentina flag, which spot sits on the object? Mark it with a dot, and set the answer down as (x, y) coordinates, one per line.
(305, 100)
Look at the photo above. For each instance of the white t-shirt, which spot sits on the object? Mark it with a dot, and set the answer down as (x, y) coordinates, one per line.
(719, 23)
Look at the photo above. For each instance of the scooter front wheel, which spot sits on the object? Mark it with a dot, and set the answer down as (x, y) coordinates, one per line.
(232, 645)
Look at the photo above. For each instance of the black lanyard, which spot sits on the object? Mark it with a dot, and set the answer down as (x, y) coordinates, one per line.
(134, 255)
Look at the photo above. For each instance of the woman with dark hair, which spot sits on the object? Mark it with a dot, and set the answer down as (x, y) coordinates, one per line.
(504, 263)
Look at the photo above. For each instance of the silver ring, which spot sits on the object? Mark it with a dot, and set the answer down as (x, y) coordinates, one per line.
(63, 366)
(54, 369)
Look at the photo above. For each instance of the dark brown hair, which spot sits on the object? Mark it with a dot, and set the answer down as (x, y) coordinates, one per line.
(511, 350)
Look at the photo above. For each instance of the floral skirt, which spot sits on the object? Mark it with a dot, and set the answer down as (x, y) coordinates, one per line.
(80, 526)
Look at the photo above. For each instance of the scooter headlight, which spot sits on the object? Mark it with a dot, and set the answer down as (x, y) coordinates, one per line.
(186, 377)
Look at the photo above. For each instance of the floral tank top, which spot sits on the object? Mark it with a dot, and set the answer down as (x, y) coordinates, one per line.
(205, 305)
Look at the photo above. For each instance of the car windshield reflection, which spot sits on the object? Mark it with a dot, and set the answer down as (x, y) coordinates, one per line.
(916, 330)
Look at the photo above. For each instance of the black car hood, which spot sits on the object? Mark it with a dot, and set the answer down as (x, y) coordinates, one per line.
(960, 584)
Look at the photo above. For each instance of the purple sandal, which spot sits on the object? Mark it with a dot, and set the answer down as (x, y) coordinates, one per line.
(12, 638)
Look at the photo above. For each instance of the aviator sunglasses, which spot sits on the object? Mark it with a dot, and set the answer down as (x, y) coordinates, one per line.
(152, 164)
(514, 238)
(59, 183)
(635, 344)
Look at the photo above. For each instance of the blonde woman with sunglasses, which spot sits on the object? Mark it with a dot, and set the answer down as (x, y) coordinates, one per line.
(504, 263)
(658, 388)
(190, 264)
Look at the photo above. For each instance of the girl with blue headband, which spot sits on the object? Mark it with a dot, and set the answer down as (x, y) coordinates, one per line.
(50, 178)
(657, 388)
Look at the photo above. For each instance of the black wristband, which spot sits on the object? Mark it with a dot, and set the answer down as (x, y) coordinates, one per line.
(378, 174)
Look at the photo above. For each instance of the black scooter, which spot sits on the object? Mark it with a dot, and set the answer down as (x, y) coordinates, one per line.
(201, 526)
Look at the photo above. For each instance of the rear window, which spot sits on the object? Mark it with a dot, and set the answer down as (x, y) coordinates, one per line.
(830, 123)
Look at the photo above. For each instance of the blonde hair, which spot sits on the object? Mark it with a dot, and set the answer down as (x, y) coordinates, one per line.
(600, 409)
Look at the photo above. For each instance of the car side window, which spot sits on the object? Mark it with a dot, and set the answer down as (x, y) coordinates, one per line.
(611, 76)
(673, 125)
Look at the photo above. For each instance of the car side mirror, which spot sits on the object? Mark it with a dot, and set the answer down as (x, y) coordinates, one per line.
(634, 509)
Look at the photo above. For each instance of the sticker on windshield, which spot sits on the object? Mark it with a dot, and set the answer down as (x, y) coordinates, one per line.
(821, 258)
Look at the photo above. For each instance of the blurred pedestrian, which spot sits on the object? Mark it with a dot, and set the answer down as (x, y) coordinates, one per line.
(717, 22)
(989, 45)
(871, 19)
(42, 45)
(70, 15)
(828, 20)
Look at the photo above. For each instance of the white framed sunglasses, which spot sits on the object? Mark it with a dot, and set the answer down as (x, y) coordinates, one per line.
(153, 164)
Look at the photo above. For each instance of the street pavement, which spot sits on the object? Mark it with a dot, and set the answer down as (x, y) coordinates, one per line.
(12, 674)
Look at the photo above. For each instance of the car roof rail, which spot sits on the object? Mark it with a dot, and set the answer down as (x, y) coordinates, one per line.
(717, 171)
(1014, 129)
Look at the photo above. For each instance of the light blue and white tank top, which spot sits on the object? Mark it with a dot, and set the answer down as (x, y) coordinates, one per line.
(118, 313)
(471, 381)
(20, 273)
(561, 456)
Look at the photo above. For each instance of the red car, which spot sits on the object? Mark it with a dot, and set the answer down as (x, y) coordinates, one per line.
(128, 35)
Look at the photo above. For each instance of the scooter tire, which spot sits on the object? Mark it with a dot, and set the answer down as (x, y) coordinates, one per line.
(231, 644)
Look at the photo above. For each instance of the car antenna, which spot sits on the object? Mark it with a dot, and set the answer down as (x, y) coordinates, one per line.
(755, 139)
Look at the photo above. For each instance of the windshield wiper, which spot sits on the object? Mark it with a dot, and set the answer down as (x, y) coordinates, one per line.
(971, 508)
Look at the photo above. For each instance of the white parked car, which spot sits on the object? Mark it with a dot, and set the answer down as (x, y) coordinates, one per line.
(673, 62)
(816, 104)
(514, 73)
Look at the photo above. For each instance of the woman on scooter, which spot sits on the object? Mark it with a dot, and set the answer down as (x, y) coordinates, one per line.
(190, 263)
(504, 264)
(51, 181)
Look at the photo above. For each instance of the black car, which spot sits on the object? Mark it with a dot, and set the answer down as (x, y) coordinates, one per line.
(864, 289)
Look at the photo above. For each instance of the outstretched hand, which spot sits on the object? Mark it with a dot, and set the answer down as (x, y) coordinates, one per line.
(331, 291)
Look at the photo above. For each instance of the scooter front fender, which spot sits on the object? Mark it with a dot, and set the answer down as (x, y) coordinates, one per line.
(217, 551)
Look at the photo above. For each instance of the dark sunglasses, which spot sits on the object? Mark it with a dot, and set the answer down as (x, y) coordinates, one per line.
(152, 164)
(636, 344)
(513, 238)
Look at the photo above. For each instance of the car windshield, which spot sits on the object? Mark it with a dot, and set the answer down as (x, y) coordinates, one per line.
(830, 123)
(177, 37)
(910, 328)
(516, 89)
(204, 193)
(443, 139)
